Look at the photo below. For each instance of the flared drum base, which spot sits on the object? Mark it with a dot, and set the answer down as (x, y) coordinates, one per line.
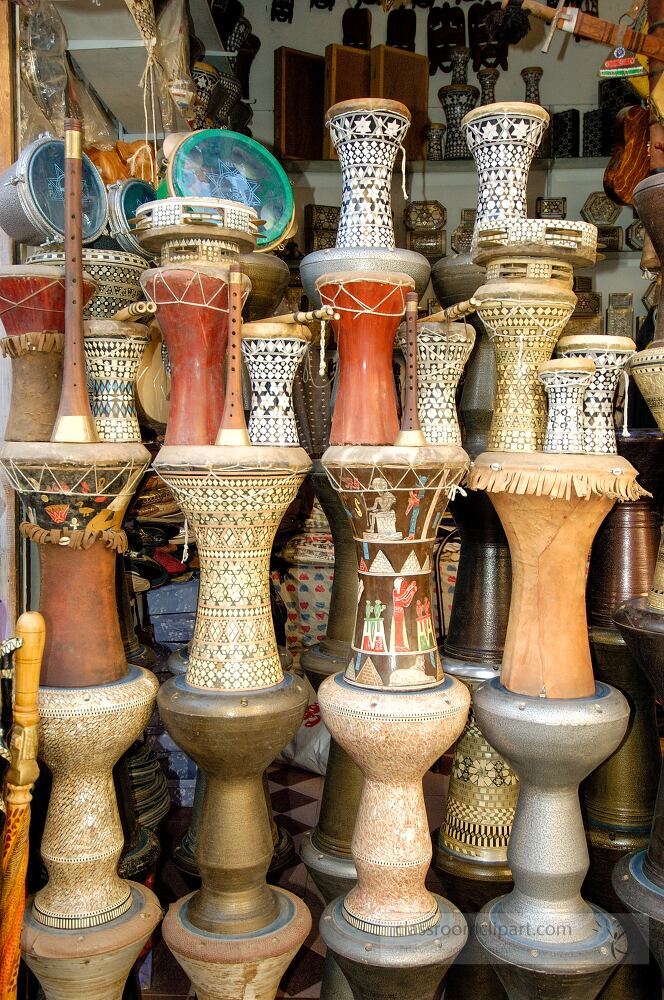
(380, 968)
(90, 962)
(644, 899)
(229, 967)
(530, 969)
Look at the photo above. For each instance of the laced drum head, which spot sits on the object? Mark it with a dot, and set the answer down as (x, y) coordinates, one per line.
(46, 188)
(216, 163)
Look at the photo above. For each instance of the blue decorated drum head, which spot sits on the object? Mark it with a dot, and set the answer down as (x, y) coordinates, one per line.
(124, 199)
(46, 185)
(216, 163)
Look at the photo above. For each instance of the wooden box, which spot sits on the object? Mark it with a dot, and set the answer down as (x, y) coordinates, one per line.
(347, 75)
(404, 76)
(299, 89)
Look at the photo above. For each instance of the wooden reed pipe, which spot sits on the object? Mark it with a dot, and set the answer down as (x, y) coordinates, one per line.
(314, 315)
(233, 429)
(448, 315)
(74, 422)
(411, 434)
(135, 310)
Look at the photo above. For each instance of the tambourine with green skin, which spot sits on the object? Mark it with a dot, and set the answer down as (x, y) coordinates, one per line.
(217, 163)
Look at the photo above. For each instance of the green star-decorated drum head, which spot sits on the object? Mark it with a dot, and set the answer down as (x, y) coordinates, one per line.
(217, 163)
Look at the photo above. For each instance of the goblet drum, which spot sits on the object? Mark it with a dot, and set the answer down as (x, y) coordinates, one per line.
(32, 311)
(192, 310)
(370, 308)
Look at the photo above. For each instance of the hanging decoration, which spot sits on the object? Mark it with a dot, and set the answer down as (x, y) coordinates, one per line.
(485, 49)
(282, 11)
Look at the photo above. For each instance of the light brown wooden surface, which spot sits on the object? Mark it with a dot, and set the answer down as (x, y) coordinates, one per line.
(347, 76)
(404, 76)
(299, 91)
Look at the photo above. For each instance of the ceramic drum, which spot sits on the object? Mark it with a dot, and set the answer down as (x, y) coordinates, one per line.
(192, 310)
(116, 274)
(610, 356)
(503, 139)
(113, 352)
(370, 307)
(32, 193)
(367, 134)
(442, 352)
(523, 320)
(395, 498)
(566, 382)
(272, 353)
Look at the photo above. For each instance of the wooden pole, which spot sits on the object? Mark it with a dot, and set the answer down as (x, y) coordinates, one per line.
(233, 429)
(411, 434)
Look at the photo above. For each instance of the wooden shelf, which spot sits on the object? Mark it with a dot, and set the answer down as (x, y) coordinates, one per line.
(450, 166)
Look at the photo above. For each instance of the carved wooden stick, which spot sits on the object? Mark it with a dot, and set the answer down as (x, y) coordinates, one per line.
(74, 421)
(233, 429)
(411, 434)
(324, 313)
(457, 311)
(22, 773)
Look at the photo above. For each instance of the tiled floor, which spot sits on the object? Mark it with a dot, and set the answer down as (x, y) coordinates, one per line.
(295, 801)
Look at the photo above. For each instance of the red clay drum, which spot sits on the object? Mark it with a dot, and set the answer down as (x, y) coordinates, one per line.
(192, 310)
(32, 311)
(371, 305)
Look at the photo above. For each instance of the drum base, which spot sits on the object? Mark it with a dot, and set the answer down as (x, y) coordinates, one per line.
(93, 962)
(221, 967)
(380, 968)
(529, 968)
(644, 899)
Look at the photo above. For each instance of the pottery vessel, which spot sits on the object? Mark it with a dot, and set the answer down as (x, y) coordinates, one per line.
(566, 383)
(457, 100)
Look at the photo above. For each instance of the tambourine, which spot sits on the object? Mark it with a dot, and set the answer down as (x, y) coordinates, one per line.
(196, 221)
(124, 200)
(32, 196)
(217, 163)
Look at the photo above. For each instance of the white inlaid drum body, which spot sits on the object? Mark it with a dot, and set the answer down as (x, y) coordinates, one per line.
(83, 733)
(611, 355)
(523, 320)
(503, 139)
(367, 138)
(442, 352)
(113, 352)
(272, 364)
(235, 513)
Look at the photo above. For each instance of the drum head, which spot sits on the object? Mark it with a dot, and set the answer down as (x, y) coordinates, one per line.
(123, 203)
(46, 186)
(216, 163)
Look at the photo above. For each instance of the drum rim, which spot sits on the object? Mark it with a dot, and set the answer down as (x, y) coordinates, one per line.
(118, 224)
(30, 207)
(263, 247)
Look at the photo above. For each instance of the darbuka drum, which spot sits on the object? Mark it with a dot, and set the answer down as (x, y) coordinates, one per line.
(217, 163)
(370, 307)
(192, 311)
(124, 200)
(32, 196)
